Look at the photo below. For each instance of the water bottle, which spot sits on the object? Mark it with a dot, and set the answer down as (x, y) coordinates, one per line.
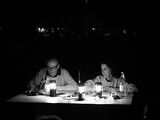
(121, 87)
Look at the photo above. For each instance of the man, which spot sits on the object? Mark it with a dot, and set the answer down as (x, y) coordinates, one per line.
(53, 71)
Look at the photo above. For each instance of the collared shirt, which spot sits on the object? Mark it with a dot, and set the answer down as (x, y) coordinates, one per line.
(63, 79)
(112, 82)
(106, 83)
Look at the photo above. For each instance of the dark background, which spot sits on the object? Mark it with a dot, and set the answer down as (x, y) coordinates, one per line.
(25, 51)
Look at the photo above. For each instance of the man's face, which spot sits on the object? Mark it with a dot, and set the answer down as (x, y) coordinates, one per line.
(53, 67)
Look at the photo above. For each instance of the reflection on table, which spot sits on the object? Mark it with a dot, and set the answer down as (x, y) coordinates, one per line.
(71, 97)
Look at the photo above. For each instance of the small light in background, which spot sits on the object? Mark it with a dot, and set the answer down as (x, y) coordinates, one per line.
(124, 31)
(38, 29)
(93, 28)
(41, 29)
(107, 34)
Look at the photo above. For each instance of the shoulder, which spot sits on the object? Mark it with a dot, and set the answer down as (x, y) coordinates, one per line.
(42, 71)
(101, 76)
(113, 79)
(97, 78)
(64, 71)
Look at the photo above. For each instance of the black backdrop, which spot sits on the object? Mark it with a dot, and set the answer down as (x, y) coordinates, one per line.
(24, 55)
(24, 52)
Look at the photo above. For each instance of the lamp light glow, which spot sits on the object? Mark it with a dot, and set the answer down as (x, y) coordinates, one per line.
(47, 88)
(52, 85)
(121, 87)
(53, 88)
(81, 89)
(98, 87)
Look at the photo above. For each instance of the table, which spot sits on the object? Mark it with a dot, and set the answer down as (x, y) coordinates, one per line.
(68, 98)
(67, 106)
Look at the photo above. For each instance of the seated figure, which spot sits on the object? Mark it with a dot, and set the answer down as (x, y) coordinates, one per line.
(109, 82)
(105, 78)
(53, 71)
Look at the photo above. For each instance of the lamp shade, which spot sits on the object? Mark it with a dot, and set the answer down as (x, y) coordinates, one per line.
(52, 84)
(47, 88)
(98, 86)
(81, 89)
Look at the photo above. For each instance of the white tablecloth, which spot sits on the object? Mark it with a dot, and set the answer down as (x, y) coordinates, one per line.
(66, 97)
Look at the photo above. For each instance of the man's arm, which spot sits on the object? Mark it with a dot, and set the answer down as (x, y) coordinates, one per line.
(115, 83)
(90, 84)
(70, 83)
(34, 84)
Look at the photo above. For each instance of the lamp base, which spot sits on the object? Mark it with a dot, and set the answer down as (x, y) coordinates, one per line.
(80, 98)
(53, 93)
(99, 94)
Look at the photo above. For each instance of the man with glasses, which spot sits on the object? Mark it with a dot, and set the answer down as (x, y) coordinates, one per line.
(53, 71)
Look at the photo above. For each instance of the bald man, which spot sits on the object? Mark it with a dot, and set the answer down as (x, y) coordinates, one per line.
(53, 71)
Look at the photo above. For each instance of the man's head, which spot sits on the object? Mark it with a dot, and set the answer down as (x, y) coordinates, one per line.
(106, 71)
(53, 66)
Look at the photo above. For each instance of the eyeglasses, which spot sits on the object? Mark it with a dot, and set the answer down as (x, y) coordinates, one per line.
(53, 67)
